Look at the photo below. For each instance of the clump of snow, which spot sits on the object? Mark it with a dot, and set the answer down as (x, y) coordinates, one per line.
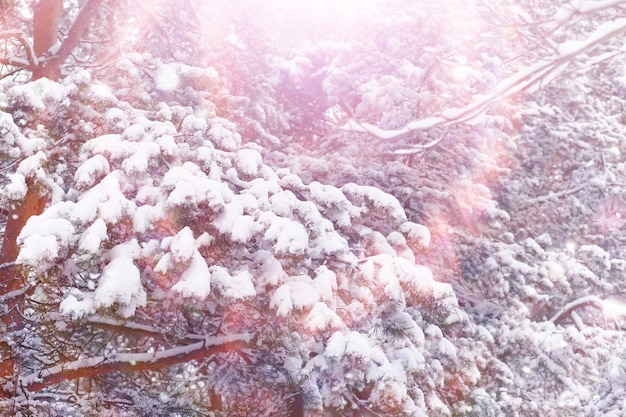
(556, 271)
(189, 186)
(16, 189)
(282, 203)
(195, 281)
(42, 239)
(91, 171)
(223, 137)
(399, 245)
(331, 243)
(167, 78)
(238, 286)
(40, 94)
(106, 200)
(38, 251)
(322, 317)
(325, 282)
(333, 203)
(232, 222)
(193, 124)
(81, 77)
(248, 162)
(293, 366)
(136, 163)
(134, 133)
(32, 167)
(358, 345)
(416, 233)
(375, 199)
(286, 235)
(183, 245)
(117, 117)
(298, 293)
(335, 346)
(92, 238)
(270, 269)
(120, 282)
(77, 304)
(401, 278)
(167, 145)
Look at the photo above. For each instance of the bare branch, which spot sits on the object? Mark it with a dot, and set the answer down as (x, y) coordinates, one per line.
(31, 58)
(78, 27)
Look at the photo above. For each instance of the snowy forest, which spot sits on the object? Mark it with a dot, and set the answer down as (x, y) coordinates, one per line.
(312, 208)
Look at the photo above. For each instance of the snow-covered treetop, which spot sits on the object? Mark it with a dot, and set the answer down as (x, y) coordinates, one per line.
(155, 202)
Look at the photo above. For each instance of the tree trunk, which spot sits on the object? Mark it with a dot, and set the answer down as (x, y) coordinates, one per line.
(11, 279)
(46, 17)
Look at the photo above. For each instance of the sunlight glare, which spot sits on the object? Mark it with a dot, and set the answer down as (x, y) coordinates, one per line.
(166, 78)
(316, 11)
(614, 307)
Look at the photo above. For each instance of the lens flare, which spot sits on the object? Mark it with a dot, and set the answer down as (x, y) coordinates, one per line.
(614, 307)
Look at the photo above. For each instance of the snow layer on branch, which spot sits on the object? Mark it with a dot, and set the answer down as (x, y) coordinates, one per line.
(105, 200)
(322, 317)
(249, 161)
(40, 93)
(375, 199)
(333, 203)
(401, 277)
(14, 144)
(335, 346)
(416, 232)
(270, 270)
(238, 226)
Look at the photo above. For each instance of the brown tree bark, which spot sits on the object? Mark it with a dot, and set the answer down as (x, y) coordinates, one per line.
(11, 279)
(46, 18)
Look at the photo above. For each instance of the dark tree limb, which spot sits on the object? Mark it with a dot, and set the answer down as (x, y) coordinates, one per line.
(129, 362)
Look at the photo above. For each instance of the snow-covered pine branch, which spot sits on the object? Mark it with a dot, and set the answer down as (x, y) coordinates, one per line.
(590, 300)
(131, 362)
(527, 79)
